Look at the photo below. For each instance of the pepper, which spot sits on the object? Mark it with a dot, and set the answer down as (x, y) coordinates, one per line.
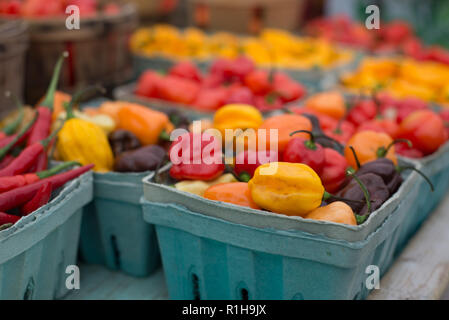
(12, 182)
(18, 196)
(342, 131)
(246, 162)
(6, 161)
(294, 189)
(41, 128)
(236, 193)
(362, 111)
(237, 116)
(104, 121)
(387, 126)
(425, 129)
(386, 169)
(123, 140)
(146, 158)
(41, 198)
(333, 174)
(29, 156)
(11, 127)
(369, 146)
(338, 212)
(196, 157)
(210, 99)
(147, 84)
(178, 90)
(198, 187)
(9, 219)
(145, 123)
(330, 103)
(300, 150)
(83, 141)
(284, 124)
(17, 138)
(186, 70)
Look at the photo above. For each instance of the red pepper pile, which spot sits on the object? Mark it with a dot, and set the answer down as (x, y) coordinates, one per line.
(228, 81)
(393, 37)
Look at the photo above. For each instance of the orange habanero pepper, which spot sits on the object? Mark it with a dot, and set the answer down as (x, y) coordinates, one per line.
(338, 212)
(331, 103)
(234, 192)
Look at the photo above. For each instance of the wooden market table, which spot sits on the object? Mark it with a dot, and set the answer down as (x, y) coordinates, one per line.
(420, 272)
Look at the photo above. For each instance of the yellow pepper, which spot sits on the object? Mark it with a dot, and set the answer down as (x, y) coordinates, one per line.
(292, 189)
(85, 142)
(237, 116)
(198, 187)
(105, 122)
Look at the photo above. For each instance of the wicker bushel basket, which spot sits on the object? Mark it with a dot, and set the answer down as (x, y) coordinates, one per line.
(13, 46)
(98, 51)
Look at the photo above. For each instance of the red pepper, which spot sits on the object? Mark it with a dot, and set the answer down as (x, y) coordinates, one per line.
(18, 196)
(240, 95)
(405, 150)
(210, 99)
(178, 90)
(41, 198)
(6, 161)
(334, 170)
(246, 162)
(258, 81)
(387, 126)
(27, 158)
(16, 139)
(147, 84)
(300, 150)
(9, 183)
(194, 157)
(341, 131)
(186, 70)
(287, 89)
(269, 102)
(6, 218)
(362, 111)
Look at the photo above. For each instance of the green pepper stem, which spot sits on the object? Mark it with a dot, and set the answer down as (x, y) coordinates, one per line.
(402, 168)
(12, 127)
(382, 152)
(244, 176)
(355, 157)
(364, 189)
(312, 136)
(164, 135)
(47, 140)
(50, 96)
(4, 151)
(56, 169)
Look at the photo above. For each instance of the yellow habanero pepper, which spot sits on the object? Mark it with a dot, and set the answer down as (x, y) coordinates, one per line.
(83, 141)
(293, 189)
(237, 116)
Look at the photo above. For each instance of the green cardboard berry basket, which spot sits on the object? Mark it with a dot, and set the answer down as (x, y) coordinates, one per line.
(36, 250)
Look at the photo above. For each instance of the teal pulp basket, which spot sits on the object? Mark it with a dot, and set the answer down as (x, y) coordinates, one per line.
(35, 252)
(113, 232)
(215, 250)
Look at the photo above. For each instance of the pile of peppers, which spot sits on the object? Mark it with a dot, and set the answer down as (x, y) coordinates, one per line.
(334, 158)
(26, 182)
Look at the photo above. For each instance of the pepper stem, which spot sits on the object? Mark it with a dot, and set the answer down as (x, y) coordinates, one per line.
(12, 127)
(57, 169)
(50, 96)
(244, 176)
(402, 168)
(355, 157)
(4, 151)
(364, 189)
(47, 140)
(382, 151)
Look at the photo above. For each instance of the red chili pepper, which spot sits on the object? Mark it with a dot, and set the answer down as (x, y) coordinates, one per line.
(300, 150)
(8, 218)
(387, 126)
(186, 70)
(269, 102)
(247, 162)
(210, 99)
(18, 196)
(334, 170)
(405, 150)
(258, 81)
(26, 158)
(177, 89)
(9, 183)
(287, 89)
(41, 198)
(6, 161)
(341, 131)
(190, 160)
(147, 84)
(362, 111)
(16, 139)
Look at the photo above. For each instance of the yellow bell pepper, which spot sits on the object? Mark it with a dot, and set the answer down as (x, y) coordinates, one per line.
(237, 116)
(293, 189)
(198, 187)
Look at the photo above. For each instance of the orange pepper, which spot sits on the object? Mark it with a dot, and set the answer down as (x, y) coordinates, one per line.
(331, 103)
(111, 108)
(338, 212)
(285, 124)
(58, 104)
(370, 145)
(145, 123)
(234, 192)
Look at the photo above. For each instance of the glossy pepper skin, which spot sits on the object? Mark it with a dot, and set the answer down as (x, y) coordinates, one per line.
(363, 111)
(294, 189)
(306, 151)
(385, 169)
(368, 146)
(338, 212)
(41, 198)
(123, 140)
(145, 123)
(235, 192)
(246, 162)
(143, 159)
(376, 187)
(198, 187)
(330, 103)
(425, 129)
(237, 116)
(191, 147)
(333, 174)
